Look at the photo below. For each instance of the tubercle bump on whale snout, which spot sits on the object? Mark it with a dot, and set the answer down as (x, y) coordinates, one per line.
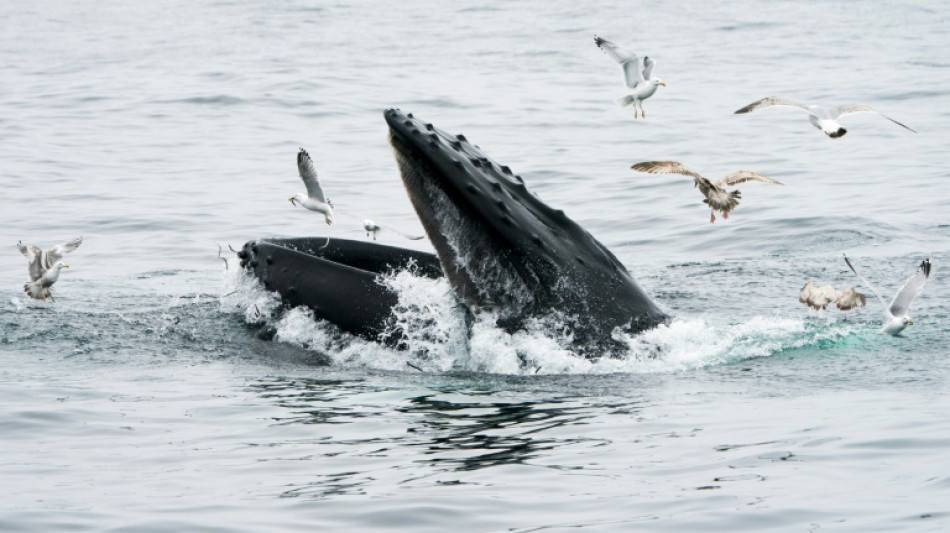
(246, 254)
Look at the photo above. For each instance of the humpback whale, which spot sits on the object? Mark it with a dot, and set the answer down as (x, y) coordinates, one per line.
(501, 248)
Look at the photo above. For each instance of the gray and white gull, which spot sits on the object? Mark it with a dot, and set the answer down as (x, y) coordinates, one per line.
(374, 230)
(314, 200)
(895, 315)
(714, 193)
(44, 267)
(818, 297)
(822, 118)
(637, 74)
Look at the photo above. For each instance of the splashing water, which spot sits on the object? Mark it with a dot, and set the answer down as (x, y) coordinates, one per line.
(437, 334)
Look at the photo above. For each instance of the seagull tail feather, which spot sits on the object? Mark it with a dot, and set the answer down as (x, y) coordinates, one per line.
(36, 291)
(837, 133)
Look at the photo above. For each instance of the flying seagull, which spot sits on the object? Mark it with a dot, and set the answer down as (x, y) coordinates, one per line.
(896, 318)
(636, 74)
(314, 199)
(818, 297)
(716, 196)
(824, 119)
(373, 229)
(44, 267)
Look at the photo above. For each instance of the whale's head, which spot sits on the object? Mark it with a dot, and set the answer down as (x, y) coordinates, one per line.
(503, 248)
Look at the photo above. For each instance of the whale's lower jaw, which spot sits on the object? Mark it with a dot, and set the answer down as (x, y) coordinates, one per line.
(337, 279)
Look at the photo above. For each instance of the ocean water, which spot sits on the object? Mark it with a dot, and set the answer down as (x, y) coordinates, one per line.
(143, 399)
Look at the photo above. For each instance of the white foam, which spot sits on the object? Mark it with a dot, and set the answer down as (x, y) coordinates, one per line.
(18, 304)
(243, 292)
(437, 337)
(430, 320)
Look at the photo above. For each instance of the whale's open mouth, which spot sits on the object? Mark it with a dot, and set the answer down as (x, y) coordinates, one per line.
(501, 248)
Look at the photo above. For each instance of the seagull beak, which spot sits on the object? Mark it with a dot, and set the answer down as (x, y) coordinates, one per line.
(65, 265)
(663, 83)
(291, 200)
(910, 322)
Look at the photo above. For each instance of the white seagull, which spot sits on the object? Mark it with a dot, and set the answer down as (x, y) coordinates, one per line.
(716, 196)
(373, 229)
(824, 119)
(314, 200)
(636, 74)
(896, 314)
(44, 267)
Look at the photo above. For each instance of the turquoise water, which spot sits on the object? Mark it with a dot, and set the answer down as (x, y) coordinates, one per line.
(144, 399)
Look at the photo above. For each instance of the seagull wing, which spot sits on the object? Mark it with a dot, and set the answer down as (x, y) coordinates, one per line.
(309, 176)
(672, 167)
(772, 101)
(403, 235)
(743, 176)
(55, 253)
(848, 299)
(869, 286)
(816, 297)
(648, 64)
(805, 295)
(906, 294)
(850, 109)
(665, 167)
(35, 259)
(632, 68)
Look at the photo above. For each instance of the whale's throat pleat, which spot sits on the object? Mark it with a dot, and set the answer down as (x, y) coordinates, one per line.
(476, 262)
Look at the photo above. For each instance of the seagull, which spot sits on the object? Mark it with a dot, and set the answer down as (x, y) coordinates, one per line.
(819, 297)
(39, 288)
(824, 119)
(373, 229)
(636, 73)
(896, 314)
(716, 197)
(44, 267)
(314, 199)
(850, 298)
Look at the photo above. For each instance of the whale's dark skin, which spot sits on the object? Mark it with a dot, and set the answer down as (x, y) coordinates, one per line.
(339, 281)
(502, 249)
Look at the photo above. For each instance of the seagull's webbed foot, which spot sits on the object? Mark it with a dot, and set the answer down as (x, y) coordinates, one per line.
(712, 217)
(725, 215)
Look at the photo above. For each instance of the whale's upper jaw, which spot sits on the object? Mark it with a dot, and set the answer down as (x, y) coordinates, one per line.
(473, 214)
(492, 193)
(499, 244)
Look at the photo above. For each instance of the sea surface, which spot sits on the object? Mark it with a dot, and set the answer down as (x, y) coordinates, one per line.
(146, 399)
